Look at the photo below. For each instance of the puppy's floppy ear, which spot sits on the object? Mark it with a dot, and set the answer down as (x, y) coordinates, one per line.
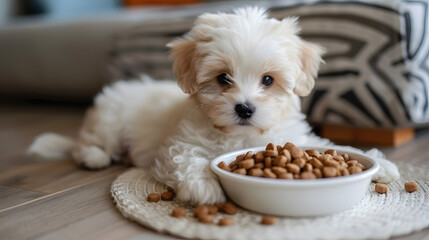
(184, 50)
(183, 54)
(311, 57)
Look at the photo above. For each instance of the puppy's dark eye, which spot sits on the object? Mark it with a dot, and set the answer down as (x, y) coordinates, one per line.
(223, 79)
(267, 80)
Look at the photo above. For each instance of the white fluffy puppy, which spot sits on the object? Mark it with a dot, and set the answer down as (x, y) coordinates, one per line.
(241, 76)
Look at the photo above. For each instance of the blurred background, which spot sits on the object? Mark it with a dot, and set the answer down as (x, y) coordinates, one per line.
(59, 49)
(376, 73)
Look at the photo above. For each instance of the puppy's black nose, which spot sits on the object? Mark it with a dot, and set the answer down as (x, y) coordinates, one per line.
(244, 110)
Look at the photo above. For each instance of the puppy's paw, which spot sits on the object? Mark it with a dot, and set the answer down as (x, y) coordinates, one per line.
(200, 191)
(91, 157)
(388, 171)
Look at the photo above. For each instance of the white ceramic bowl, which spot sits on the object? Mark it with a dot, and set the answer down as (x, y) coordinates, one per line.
(296, 198)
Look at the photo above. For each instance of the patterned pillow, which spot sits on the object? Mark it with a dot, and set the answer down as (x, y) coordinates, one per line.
(377, 65)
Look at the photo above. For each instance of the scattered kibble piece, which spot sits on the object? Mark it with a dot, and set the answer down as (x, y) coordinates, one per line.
(226, 221)
(381, 188)
(167, 196)
(268, 220)
(227, 208)
(201, 210)
(179, 212)
(411, 187)
(213, 209)
(205, 218)
(153, 197)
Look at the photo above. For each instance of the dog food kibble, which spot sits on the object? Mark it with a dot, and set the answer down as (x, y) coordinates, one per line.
(316, 163)
(332, 163)
(170, 189)
(280, 161)
(226, 221)
(268, 162)
(352, 163)
(271, 153)
(213, 209)
(201, 210)
(259, 165)
(256, 172)
(411, 187)
(317, 172)
(338, 158)
(259, 157)
(306, 156)
(381, 188)
(325, 158)
(278, 170)
(222, 165)
(269, 174)
(296, 152)
(292, 162)
(247, 164)
(153, 197)
(204, 213)
(313, 153)
(293, 168)
(308, 167)
(179, 212)
(227, 208)
(329, 172)
(206, 218)
(240, 157)
(248, 155)
(240, 171)
(300, 162)
(270, 146)
(167, 196)
(354, 169)
(286, 153)
(331, 152)
(268, 220)
(307, 175)
(344, 172)
(285, 176)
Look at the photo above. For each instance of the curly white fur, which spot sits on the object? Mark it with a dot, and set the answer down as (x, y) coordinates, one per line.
(176, 134)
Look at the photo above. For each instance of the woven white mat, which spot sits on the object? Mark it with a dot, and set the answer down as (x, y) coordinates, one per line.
(376, 216)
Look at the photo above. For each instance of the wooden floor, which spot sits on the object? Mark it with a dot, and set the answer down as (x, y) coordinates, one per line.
(57, 200)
